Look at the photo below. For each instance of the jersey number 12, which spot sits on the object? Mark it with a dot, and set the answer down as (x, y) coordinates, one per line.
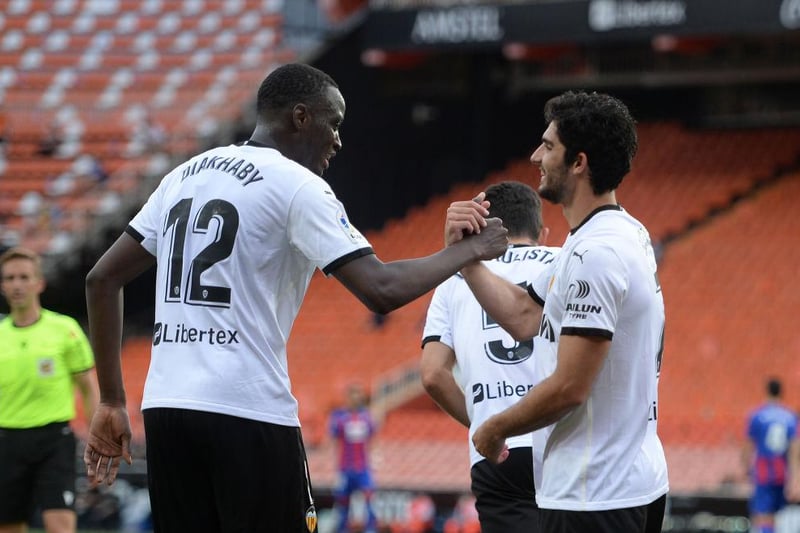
(177, 224)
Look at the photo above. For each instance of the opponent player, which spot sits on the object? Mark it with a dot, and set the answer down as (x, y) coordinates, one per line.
(353, 427)
(771, 456)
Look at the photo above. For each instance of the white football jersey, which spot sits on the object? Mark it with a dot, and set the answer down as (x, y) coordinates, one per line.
(605, 454)
(237, 233)
(492, 369)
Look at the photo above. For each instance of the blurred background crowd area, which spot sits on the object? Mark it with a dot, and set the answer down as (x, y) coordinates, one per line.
(99, 98)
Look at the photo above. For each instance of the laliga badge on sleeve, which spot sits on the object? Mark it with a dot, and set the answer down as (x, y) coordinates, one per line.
(352, 233)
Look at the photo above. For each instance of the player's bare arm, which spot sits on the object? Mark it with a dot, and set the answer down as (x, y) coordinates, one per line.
(436, 372)
(383, 287)
(793, 488)
(86, 385)
(110, 432)
(507, 303)
(580, 360)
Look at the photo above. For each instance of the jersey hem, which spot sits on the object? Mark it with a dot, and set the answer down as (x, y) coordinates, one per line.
(223, 410)
(606, 505)
(475, 460)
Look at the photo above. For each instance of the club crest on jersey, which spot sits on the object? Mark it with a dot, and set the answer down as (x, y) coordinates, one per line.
(352, 233)
(311, 519)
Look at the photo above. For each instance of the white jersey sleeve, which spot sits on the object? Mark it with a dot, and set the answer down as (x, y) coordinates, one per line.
(317, 224)
(438, 321)
(539, 285)
(596, 287)
(146, 225)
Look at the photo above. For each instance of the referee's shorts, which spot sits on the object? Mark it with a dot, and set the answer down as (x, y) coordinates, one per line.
(214, 473)
(504, 494)
(37, 470)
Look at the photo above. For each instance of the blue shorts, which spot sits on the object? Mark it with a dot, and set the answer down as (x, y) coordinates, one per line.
(767, 499)
(350, 481)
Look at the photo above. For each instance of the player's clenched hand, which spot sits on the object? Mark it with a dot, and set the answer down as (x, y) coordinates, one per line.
(109, 441)
(493, 240)
(489, 443)
(465, 217)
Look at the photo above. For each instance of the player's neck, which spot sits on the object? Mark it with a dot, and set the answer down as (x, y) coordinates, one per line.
(584, 203)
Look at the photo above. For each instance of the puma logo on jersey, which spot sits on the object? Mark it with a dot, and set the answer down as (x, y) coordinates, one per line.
(580, 256)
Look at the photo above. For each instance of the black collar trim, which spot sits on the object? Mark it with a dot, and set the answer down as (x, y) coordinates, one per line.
(609, 207)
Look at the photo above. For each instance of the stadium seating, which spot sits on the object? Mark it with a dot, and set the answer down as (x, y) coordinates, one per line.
(102, 74)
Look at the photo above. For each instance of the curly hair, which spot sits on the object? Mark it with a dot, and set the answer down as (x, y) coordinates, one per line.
(291, 84)
(600, 126)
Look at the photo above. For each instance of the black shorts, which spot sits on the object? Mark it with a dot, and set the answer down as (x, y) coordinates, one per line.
(642, 519)
(504, 494)
(37, 470)
(213, 473)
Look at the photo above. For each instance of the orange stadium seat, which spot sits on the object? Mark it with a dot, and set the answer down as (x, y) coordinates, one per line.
(102, 58)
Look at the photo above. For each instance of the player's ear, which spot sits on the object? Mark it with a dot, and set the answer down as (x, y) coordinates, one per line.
(581, 163)
(300, 116)
(543, 236)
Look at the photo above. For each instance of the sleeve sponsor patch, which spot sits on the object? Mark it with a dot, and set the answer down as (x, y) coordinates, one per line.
(352, 233)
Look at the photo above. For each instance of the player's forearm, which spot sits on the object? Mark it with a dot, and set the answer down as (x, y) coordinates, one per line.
(397, 283)
(104, 306)
(542, 406)
(88, 391)
(508, 304)
(443, 389)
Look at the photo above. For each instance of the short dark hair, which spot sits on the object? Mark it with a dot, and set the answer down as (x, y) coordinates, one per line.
(600, 126)
(774, 387)
(518, 205)
(291, 84)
